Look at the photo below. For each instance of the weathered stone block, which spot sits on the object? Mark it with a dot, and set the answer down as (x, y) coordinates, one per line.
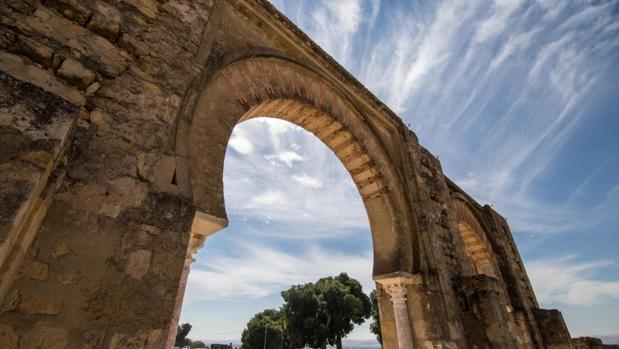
(74, 72)
(61, 250)
(23, 6)
(150, 229)
(45, 336)
(92, 89)
(147, 7)
(133, 45)
(17, 68)
(42, 304)
(35, 270)
(111, 198)
(8, 338)
(40, 158)
(12, 196)
(106, 21)
(35, 50)
(75, 10)
(71, 278)
(152, 339)
(98, 118)
(48, 24)
(138, 264)
(7, 38)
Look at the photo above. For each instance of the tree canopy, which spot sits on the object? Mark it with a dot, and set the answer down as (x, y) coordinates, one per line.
(375, 324)
(268, 323)
(321, 313)
(305, 320)
(181, 335)
(183, 341)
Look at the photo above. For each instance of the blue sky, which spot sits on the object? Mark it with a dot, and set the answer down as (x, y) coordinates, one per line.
(520, 101)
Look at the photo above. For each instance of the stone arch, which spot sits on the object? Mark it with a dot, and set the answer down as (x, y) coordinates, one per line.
(96, 230)
(279, 88)
(476, 244)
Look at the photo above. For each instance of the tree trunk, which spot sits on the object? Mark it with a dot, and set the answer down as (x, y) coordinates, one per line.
(339, 343)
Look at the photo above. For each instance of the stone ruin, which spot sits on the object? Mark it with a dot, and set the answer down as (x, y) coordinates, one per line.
(114, 120)
(591, 343)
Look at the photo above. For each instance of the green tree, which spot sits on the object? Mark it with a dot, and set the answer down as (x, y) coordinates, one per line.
(181, 335)
(304, 319)
(269, 323)
(375, 325)
(325, 312)
(345, 305)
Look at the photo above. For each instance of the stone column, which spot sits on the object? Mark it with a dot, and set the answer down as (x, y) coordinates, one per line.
(400, 311)
(396, 285)
(203, 226)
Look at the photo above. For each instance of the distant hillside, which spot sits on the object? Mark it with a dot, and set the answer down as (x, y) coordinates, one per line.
(614, 339)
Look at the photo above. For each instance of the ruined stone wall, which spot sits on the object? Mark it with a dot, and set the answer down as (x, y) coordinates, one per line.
(591, 343)
(529, 326)
(89, 95)
(553, 329)
(114, 118)
(435, 248)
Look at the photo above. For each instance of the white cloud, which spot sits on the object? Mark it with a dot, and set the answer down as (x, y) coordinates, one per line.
(494, 25)
(308, 181)
(268, 198)
(497, 112)
(546, 53)
(515, 43)
(254, 271)
(277, 127)
(415, 56)
(334, 25)
(565, 280)
(240, 144)
(286, 157)
(552, 7)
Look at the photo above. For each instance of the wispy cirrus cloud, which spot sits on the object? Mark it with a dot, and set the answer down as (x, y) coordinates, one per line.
(255, 271)
(496, 88)
(337, 19)
(566, 280)
(498, 19)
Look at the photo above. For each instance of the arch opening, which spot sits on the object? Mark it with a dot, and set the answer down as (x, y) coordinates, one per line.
(242, 255)
(275, 88)
(253, 87)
